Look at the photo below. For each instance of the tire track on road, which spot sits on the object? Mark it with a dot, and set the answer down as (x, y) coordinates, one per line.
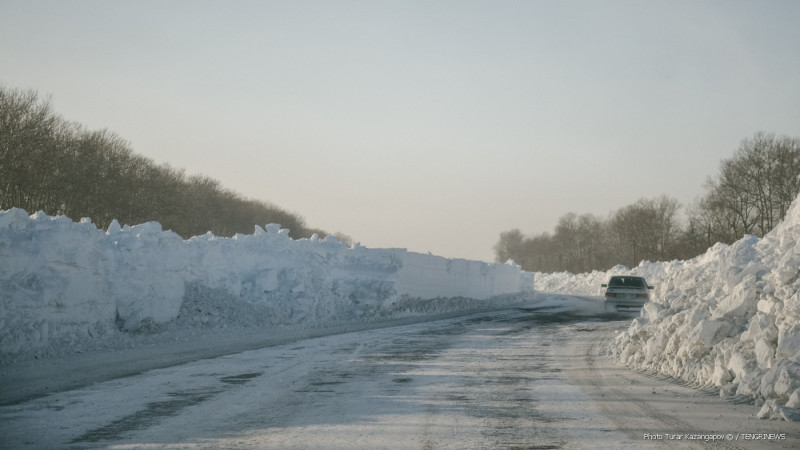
(660, 420)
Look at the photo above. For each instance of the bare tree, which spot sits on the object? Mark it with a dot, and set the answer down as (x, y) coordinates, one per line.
(755, 187)
(509, 246)
(49, 164)
(751, 194)
(27, 128)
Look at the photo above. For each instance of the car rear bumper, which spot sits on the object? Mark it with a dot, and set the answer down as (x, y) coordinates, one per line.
(625, 302)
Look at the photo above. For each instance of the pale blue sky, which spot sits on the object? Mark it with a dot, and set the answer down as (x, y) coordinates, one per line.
(430, 125)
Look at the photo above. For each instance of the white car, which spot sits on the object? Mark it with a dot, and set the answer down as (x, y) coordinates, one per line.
(626, 292)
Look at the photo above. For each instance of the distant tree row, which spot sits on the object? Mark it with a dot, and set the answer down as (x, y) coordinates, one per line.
(647, 229)
(752, 192)
(750, 195)
(60, 167)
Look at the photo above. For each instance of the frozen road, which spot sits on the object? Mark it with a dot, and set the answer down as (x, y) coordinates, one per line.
(522, 378)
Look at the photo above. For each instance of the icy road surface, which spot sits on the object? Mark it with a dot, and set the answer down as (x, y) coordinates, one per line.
(533, 377)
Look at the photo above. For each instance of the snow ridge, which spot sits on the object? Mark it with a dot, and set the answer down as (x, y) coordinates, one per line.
(67, 285)
(729, 318)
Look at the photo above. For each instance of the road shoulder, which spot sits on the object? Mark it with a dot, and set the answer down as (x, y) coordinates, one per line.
(663, 411)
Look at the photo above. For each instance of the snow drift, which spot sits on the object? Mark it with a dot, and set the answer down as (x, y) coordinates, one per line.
(729, 318)
(66, 282)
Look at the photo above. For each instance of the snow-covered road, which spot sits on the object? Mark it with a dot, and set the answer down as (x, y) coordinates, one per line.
(533, 377)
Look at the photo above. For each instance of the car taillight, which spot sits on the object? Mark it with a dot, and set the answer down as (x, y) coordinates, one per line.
(645, 296)
(610, 294)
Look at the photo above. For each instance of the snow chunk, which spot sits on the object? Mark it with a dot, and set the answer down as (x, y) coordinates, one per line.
(710, 332)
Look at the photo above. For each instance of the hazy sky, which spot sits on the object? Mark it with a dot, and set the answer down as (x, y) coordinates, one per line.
(430, 125)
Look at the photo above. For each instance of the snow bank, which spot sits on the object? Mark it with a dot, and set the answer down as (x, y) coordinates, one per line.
(729, 318)
(63, 282)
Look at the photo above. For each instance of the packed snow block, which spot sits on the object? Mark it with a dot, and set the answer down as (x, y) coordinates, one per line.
(310, 280)
(53, 279)
(651, 310)
(150, 275)
(526, 281)
(794, 399)
(781, 381)
(761, 327)
(710, 332)
(427, 276)
(655, 346)
(738, 359)
(772, 409)
(250, 266)
(739, 260)
(721, 375)
(765, 354)
(789, 341)
(739, 303)
(788, 268)
(365, 282)
(317, 281)
(791, 306)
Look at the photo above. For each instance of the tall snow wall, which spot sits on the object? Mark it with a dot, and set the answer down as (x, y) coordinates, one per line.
(59, 277)
(728, 318)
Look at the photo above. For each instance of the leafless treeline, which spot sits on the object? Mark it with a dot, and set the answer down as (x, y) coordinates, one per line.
(59, 167)
(750, 195)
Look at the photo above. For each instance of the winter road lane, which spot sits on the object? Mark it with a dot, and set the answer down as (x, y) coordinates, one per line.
(665, 412)
(522, 378)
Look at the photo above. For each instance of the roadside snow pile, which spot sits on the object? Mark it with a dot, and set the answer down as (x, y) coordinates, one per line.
(577, 284)
(63, 284)
(729, 318)
(589, 283)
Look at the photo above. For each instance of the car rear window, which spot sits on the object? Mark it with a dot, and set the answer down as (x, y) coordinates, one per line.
(627, 282)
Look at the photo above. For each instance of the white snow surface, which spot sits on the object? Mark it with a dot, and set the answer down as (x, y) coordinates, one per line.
(728, 318)
(68, 286)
